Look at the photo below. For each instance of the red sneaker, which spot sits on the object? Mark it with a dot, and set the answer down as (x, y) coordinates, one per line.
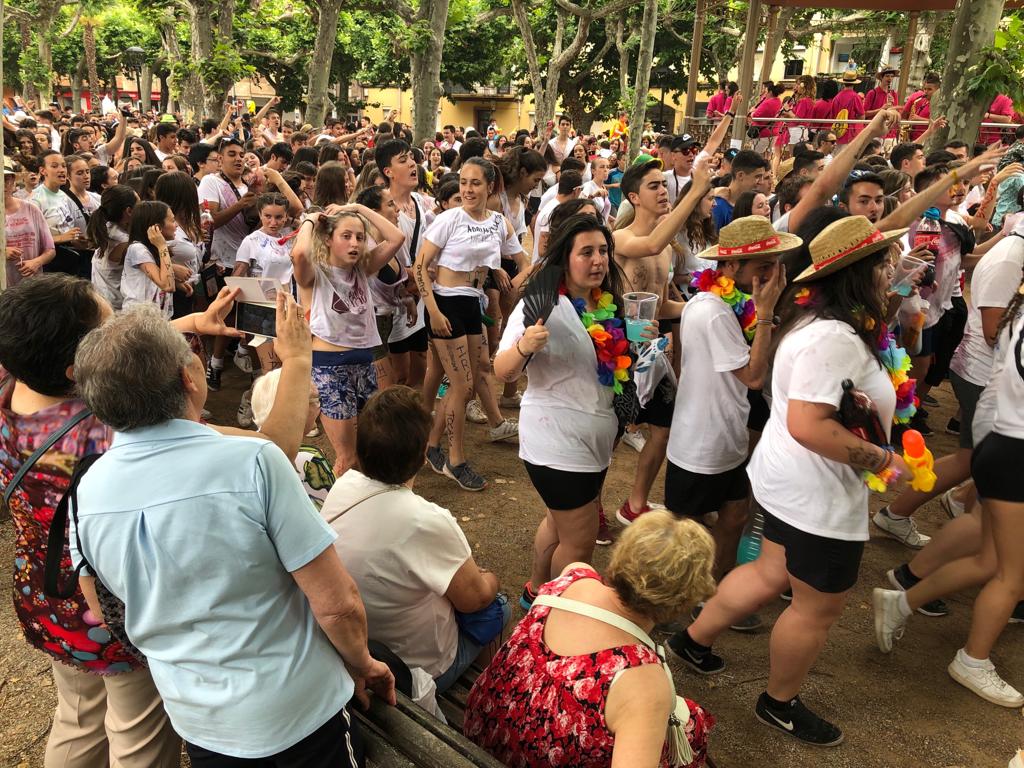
(604, 534)
(626, 515)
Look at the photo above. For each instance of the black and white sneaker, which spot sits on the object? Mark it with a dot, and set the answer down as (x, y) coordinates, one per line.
(796, 720)
(213, 378)
(701, 662)
(902, 579)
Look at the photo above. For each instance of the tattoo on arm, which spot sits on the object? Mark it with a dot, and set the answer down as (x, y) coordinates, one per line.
(862, 457)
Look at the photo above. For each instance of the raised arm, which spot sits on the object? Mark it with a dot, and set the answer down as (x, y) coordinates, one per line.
(115, 144)
(302, 267)
(721, 130)
(836, 172)
(295, 206)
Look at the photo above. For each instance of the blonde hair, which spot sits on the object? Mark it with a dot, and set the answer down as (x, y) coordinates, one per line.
(661, 564)
(320, 250)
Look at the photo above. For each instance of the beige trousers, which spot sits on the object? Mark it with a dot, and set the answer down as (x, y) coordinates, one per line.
(117, 721)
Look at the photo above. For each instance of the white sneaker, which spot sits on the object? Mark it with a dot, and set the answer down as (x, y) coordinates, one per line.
(952, 507)
(475, 413)
(985, 682)
(635, 440)
(511, 402)
(314, 432)
(507, 429)
(1017, 761)
(889, 622)
(245, 419)
(902, 529)
(243, 360)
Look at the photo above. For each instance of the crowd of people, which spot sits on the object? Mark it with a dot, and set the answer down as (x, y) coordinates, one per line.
(766, 323)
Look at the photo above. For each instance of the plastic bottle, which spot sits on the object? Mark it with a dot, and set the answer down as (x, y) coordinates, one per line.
(928, 234)
(206, 218)
(750, 541)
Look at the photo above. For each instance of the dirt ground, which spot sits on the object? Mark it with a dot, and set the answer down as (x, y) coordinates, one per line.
(898, 711)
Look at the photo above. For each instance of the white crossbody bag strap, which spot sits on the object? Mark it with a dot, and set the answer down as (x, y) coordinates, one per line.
(680, 753)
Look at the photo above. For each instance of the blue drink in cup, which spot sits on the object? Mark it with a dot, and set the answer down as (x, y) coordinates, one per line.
(639, 309)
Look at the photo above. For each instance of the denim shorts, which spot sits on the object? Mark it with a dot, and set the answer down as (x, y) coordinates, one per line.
(345, 381)
(466, 654)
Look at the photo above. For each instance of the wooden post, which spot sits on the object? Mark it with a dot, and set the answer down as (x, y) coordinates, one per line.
(770, 46)
(698, 44)
(739, 128)
(908, 54)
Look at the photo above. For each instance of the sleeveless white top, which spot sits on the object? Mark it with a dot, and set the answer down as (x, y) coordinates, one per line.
(342, 308)
(518, 218)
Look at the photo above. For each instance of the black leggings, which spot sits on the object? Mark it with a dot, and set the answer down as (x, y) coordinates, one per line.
(949, 331)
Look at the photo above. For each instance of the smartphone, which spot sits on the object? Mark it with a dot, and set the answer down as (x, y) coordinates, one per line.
(257, 319)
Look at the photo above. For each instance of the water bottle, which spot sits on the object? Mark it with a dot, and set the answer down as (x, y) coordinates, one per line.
(206, 218)
(928, 234)
(750, 541)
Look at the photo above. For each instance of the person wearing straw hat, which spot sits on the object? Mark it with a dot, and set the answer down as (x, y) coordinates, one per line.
(806, 472)
(725, 338)
(847, 105)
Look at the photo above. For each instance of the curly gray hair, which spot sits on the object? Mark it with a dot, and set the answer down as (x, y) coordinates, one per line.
(128, 370)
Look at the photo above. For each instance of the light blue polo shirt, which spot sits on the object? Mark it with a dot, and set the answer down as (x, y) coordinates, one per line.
(197, 533)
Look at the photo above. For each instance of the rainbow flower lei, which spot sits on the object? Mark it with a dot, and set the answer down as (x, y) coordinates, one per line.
(897, 364)
(713, 281)
(609, 340)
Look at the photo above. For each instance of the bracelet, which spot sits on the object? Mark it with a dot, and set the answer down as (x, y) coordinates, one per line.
(520, 351)
(770, 323)
(887, 454)
(955, 178)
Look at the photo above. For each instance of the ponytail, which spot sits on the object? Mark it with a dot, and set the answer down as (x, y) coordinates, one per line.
(114, 202)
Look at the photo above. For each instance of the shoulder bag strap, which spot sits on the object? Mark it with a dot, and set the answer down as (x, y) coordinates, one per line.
(30, 462)
(55, 537)
(414, 245)
(378, 492)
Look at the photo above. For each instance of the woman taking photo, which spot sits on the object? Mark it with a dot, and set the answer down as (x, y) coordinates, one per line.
(808, 472)
(108, 229)
(148, 276)
(570, 425)
(580, 678)
(465, 243)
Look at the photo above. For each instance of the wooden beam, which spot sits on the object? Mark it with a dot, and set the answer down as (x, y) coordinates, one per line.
(870, 5)
(696, 45)
(739, 128)
(908, 55)
(769, 45)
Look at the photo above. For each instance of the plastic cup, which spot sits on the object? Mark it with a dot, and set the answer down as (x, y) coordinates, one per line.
(639, 309)
(908, 268)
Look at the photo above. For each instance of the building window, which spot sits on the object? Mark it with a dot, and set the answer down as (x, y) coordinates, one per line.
(794, 68)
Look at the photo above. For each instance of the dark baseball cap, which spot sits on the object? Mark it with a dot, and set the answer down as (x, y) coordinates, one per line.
(679, 143)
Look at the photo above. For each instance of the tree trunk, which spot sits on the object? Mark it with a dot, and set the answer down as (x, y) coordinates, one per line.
(89, 44)
(318, 103)
(216, 92)
(28, 88)
(643, 76)
(146, 85)
(921, 58)
(623, 49)
(76, 88)
(425, 69)
(188, 90)
(973, 29)
(46, 60)
(778, 21)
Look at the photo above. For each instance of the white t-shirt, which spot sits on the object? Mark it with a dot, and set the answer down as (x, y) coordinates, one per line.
(227, 238)
(602, 203)
(566, 420)
(675, 184)
(709, 421)
(400, 330)
(136, 287)
(265, 257)
(402, 552)
(58, 209)
(549, 194)
(796, 485)
(467, 244)
(106, 274)
(542, 227)
(994, 283)
(1009, 384)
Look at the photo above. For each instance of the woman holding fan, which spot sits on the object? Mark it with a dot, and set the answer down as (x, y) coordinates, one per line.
(569, 330)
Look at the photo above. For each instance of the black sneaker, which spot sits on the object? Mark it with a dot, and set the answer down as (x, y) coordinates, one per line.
(436, 459)
(953, 426)
(1017, 617)
(920, 422)
(901, 578)
(213, 378)
(798, 721)
(701, 662)
(929, 400)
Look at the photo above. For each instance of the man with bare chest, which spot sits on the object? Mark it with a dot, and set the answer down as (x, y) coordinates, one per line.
(644, 253)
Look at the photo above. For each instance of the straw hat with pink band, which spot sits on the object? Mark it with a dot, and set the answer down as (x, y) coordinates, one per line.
(751, 237)
(843, 243)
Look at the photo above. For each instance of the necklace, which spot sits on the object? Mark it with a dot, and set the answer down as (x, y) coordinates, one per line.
(605, 331)
(713, 281)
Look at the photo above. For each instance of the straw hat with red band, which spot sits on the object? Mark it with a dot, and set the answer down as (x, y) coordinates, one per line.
(843, 243)
(751, 237)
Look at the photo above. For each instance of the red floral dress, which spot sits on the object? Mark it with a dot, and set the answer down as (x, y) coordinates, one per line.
(532, 708)
(65, 629)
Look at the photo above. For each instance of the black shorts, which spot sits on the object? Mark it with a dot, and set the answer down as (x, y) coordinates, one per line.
(691, 494)
(828, 565)
(759, 410)
(927, 342)
(511, 266)
(659, 409)
(463, 313)
(415, 343)
(561, 490)
(995, 465)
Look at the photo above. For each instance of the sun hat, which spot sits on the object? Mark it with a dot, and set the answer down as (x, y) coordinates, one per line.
(887, 71)
(785, 168)
(748, 238)
(843, 243)
(10, 167)
(850, 77)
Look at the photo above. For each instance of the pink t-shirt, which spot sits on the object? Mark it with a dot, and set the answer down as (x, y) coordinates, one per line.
(822, 111)
(878, 98)
(918, 107)
(1001, 105)
(804, 108)
(26, 229)
(717, 104)
(770, 107)
(853, 103)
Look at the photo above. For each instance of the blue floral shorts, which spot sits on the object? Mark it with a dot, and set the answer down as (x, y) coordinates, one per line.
(345, 381)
